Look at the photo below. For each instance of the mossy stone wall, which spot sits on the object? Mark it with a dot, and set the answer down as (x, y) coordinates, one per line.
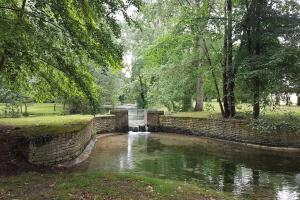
(50, 150)
(226, 129)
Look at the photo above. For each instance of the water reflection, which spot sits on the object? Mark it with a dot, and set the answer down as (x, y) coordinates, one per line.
(244, 172)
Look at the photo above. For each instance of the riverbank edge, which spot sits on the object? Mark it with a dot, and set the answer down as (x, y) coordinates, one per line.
(98, 185)
(230, 130)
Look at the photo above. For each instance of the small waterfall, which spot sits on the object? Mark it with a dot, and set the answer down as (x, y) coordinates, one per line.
(137, 120)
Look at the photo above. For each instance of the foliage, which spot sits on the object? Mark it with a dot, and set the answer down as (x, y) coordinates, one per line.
(46, 47)
(166, 66)
(288, 123)
(13, 103)
(268, 57)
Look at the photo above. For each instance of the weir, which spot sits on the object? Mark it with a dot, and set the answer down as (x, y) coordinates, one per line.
(137, 120)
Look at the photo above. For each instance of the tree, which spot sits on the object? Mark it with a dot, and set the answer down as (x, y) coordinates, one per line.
(267, 56)
(48, 45)
(228, 66)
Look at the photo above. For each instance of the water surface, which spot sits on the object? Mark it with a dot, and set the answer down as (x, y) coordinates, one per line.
(242, 171)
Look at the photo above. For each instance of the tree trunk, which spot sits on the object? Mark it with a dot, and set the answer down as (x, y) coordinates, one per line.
(225, 94)
(213, 73)
(298, 100)
(256, 105)
(229, 63)
(256, 84)
(196, 63)
(199, 94)
(142, 93)
(224, 66)
(277, 99)
(287, 100)
(25, 108)
(2, 61)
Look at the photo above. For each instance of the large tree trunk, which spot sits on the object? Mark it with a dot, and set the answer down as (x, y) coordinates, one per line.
(196, 63)
(199, 94)
(225, 93)
(256, 81)
(277, 99)
(230, 67)
(256, 105)
(224, 66)
(298, 100)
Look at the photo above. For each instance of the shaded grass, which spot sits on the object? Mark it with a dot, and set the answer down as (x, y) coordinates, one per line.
(95, 185)
(51, 125)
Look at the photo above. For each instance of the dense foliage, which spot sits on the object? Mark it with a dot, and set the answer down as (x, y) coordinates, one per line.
(232, 51)
(48, 48)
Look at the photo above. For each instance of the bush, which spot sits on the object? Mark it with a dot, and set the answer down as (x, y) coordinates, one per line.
(288, 123)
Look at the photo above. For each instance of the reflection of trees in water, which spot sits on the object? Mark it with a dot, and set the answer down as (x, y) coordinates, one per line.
(240, 172)
(255, 177)
(228, 174)
(153, 144)
(231, 172)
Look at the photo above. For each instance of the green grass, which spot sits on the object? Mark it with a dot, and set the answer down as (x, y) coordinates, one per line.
(39, 109)
(98, 185)
(40, 125)
(44, 109)
(213, 109)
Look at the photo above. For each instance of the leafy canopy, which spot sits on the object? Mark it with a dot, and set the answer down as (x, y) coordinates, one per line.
(52, 45)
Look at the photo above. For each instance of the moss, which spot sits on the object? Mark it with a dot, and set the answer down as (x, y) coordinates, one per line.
(46, 125)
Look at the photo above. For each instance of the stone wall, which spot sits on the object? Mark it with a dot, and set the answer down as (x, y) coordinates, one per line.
(105, 124)
(153, 120)
(56, 149)
(49, 150)
(231, 130)
(121, 120)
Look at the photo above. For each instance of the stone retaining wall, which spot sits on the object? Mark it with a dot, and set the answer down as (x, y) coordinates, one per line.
(105, 124)
(49, 150)
(53, 150)
(153, 121)
(231, 130)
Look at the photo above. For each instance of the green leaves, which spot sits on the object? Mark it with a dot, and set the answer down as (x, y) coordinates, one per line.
(54, 41)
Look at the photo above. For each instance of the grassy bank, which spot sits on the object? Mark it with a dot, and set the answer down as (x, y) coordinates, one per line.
(52, 124)
(244, 110)
(100, 186)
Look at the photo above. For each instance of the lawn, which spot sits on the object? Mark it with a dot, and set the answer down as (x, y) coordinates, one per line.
(52, 124)
(98, 185)
(213, 109)
(40, 109)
